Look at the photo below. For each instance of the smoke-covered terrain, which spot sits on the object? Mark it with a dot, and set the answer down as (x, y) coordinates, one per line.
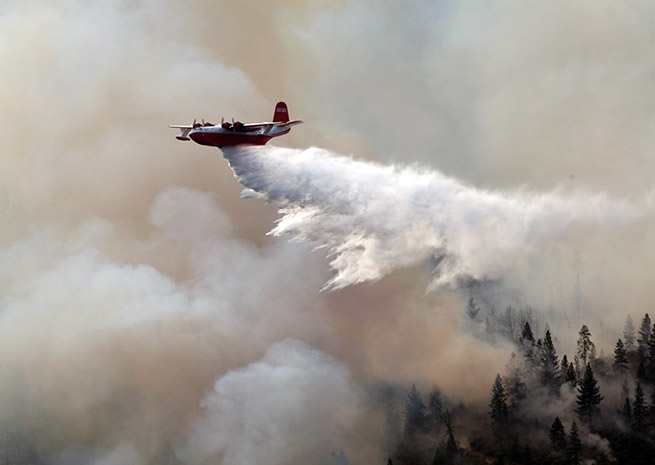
(500, 151)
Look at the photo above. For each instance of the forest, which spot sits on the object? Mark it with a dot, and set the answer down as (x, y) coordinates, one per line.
(544, 408)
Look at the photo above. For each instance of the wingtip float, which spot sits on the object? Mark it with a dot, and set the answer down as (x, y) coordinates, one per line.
(237, 133)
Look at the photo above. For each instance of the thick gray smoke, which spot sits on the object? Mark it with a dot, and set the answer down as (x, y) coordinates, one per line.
(373, 219)
(142, 306)
(274, 405)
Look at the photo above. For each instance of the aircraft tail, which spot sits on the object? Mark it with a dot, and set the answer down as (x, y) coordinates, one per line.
(184, 132)
(281, 114)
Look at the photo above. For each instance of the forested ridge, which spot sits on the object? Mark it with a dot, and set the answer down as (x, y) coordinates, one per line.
(545, 408)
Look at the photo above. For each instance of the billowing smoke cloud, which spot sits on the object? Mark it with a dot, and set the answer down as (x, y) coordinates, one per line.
(268, 411)
(373, 219)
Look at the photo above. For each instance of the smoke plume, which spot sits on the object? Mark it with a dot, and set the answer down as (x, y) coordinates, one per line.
(247, 416)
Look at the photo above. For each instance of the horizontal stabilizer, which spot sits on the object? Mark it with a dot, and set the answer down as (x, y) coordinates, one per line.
(184, 132)
(273, 123)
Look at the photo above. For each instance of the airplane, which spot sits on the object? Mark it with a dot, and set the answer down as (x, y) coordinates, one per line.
(238, 133)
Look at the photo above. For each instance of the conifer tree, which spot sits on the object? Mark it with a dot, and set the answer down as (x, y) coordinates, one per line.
(644, 336)
(498, 405)
(576, 365)
(627, 411)
(588, 397)
(526, 334)
(638, 410)
(447, 451)
(515, 388)
(557, 435)
(575, 445)
(571, 376)
(629, 334)
(563, 368)
(586, 348)
(650, 366)
(620, 358)
(415, 418)
(529, 347)
(435, 406)
(538, 353)
(549, 364)
(472, 310)
(451, 445)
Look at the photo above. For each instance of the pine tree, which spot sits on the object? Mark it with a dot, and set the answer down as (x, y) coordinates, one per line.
(575, 445)
(586, 348)
(650, 366)
(446, 453)
(629, 334)
(651, 409)
(435, 406)
(415, 418)
(571, 376)
(515, 388)
(538, 354)
(528, 346)
(498, 405)
(576, 365)
(549, 364)
(588, 397)
(644, 336)
(472, 310)
(563, 368)
(638, 410)
(557, 435)
(620, 359)
(627, 411)
(451, 445)
(526, 334)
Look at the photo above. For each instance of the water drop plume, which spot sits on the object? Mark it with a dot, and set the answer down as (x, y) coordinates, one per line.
(374, 218)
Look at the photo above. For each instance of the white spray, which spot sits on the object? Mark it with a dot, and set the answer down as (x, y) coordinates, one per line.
(373, 219)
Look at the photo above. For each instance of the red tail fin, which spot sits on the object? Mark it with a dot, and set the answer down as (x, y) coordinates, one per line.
(281, 114)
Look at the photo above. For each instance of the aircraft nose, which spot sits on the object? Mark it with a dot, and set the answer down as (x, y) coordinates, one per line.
(201, 136)
(195, 135)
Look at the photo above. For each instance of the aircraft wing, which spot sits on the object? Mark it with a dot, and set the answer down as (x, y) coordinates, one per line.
(255, 125)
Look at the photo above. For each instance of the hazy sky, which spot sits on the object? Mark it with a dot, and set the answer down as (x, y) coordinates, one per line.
(144, 313)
